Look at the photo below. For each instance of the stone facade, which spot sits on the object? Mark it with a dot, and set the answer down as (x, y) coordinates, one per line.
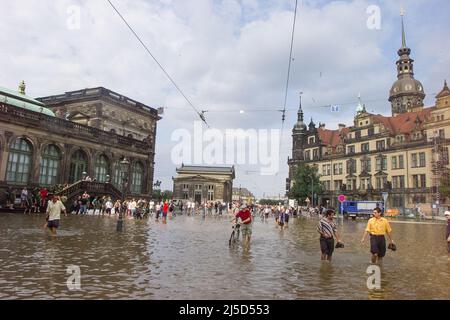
(203, 184)
(91, 139)
(405, 155)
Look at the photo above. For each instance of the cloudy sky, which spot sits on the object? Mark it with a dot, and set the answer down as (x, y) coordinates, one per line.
(227, 56)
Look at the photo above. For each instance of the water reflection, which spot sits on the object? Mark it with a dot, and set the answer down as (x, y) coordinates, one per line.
(189, 258)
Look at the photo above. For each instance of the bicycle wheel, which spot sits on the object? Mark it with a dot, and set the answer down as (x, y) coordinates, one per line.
(232, 239)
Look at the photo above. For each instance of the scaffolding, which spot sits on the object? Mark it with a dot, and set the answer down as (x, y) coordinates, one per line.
(440, 172)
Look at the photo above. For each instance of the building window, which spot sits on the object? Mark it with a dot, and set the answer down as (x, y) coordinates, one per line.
(358, 134)
(398, 182)
(414, 160)
(422, 162)
(78, 165)
(394, 163)
(210, 193)
(185, 195)
(185, 187)
(418, 160)
(351, 184)
(381, 145)
(137, 177)
(365, 147)
(198, 187)
(398, 201)
(366, 165)
(337, 168)
(307, 155)
(381, 163)
(381, 182)
(327, 185)
(365, 183)
(371, 131)
(50, 162)
(19, 162)
(311, 140)
(401, 162)
(326, 169)
(316, 154)
(351, 166)
(419, 181)
(101, 169)
(442, 133)
(119, 176)
(337, 185)
(351, 149)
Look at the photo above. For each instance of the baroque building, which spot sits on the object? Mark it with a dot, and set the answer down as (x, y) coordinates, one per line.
(61, 139)
(404, 155)
(202, 184)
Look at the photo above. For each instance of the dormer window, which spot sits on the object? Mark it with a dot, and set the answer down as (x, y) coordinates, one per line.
(311, 140)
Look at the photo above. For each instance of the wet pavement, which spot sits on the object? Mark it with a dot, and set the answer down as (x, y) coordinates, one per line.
(189, 258)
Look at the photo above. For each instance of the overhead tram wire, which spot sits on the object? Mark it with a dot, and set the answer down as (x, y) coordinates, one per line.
(290, 63)
(283, 118)
(201, 115)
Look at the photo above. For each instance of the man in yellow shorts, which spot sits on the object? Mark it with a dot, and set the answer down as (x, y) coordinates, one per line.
(378, 227)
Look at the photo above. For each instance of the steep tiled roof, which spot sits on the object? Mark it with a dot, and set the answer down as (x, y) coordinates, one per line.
(403, 123)
(331, 137)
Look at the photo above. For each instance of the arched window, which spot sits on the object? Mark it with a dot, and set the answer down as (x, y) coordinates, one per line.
(137, 175)
(118, 176)
(101, 169)
(78, 165)
(50, 162)
(19, 162)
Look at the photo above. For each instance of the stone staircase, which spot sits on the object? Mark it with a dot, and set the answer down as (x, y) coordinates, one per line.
(92, 188)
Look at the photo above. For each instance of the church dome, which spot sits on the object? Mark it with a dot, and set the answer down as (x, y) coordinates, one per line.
(407, 85)
(300, 126)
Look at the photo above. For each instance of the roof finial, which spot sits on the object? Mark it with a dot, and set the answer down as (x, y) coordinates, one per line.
(359, 108)
(445, 84)
(402, 13)
(300, 110)
(22, 87)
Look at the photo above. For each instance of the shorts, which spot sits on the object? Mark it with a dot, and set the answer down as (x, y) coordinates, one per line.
(246, 229)
(327, 246)
(53, 224)
(378, 245)
(286, 219)
(108, 210)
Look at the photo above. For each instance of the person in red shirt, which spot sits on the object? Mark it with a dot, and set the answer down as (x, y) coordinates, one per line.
(165, 211)
(246, 223)
(43, 193)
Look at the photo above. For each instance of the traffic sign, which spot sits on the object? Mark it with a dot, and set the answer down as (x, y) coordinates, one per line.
(342, 198)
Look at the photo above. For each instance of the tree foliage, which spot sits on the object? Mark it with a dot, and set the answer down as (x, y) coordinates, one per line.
(305, 179)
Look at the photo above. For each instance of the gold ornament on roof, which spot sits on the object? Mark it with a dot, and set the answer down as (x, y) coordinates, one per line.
(22, 87)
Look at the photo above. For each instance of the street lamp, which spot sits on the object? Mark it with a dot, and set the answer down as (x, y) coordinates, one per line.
(124, 164)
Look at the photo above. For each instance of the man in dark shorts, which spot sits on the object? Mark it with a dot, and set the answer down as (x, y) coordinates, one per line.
(328, 231)
(377, 227)
(447, 215)
(54, 209)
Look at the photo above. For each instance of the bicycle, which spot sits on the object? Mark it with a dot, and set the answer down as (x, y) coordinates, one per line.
(235, 234)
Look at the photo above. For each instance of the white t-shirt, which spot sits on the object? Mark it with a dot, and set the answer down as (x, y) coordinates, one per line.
(54, 210)
(109, 205)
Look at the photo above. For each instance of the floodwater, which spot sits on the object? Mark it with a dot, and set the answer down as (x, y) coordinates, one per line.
(189, 258)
